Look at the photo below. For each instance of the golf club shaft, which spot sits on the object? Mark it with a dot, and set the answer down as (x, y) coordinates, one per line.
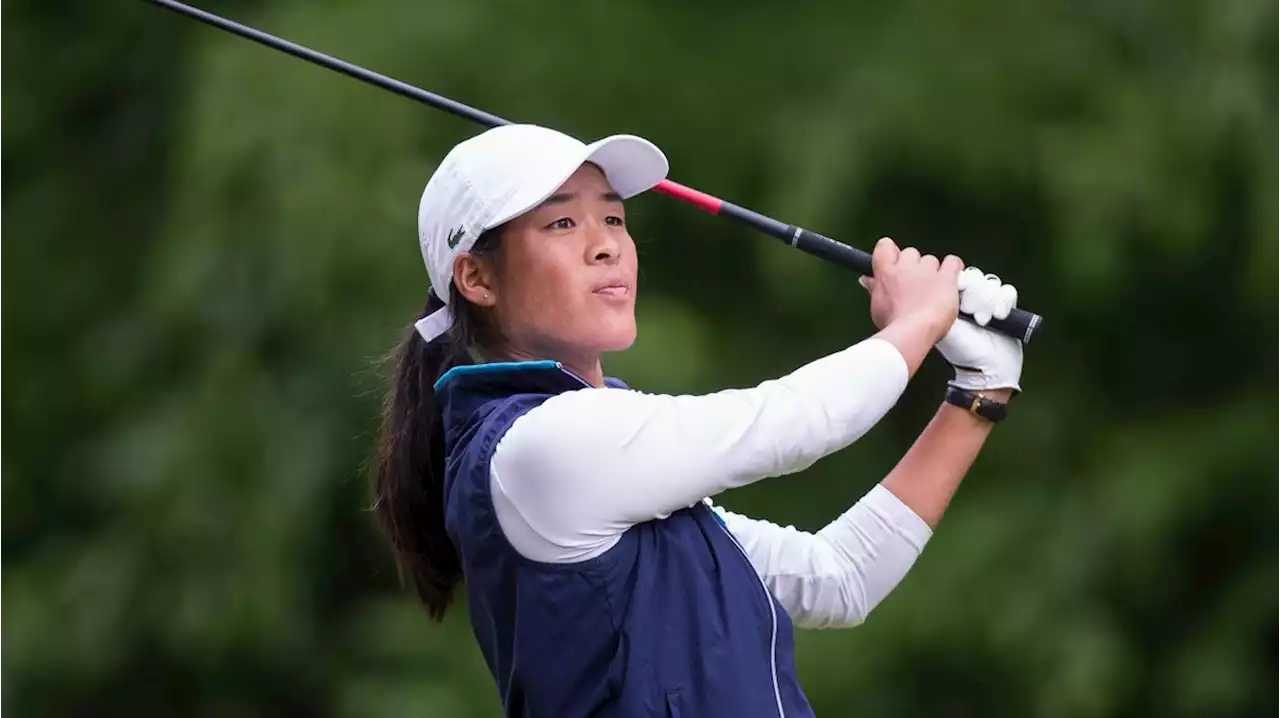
(1020, 324)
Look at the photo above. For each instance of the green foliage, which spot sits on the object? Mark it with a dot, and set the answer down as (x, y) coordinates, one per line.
(212, 247)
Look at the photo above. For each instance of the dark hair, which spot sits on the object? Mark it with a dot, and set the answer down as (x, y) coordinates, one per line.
(408, 483)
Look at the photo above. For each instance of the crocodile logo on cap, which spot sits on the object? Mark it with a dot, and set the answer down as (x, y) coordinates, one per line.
(455, 237)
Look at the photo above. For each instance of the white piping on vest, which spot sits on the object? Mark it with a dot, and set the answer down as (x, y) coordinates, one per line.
(773, 615)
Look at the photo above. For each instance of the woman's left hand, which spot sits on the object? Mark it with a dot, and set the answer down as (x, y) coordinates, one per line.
(983, 359)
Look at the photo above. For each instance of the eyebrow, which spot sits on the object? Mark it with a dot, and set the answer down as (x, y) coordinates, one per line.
(562, 197)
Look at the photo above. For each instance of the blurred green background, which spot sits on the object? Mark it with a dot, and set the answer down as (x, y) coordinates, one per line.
(212, 247)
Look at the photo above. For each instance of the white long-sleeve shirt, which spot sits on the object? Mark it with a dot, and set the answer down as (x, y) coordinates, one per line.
(572, 475)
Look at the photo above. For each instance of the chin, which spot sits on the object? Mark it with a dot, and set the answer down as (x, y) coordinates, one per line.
(615, 336)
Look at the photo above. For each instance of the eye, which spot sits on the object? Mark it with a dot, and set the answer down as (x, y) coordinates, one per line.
(614, 221)
(562, 223)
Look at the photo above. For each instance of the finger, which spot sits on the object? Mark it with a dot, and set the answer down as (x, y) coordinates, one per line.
(1011, 293)
(973, 298)
(951, 267)
(884, 255)
(969, 278)
(910, 255)
(968, 300)
(979, 297)
(867, 283)
(1008, 299)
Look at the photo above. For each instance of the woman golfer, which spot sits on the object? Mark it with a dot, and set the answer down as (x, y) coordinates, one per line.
(600, 578)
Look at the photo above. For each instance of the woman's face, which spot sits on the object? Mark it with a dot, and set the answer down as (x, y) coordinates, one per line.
(564, 283)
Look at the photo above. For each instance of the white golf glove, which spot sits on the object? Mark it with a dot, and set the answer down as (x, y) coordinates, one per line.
(982, 358)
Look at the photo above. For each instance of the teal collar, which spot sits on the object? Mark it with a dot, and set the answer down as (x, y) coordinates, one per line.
(497, 368)
(493, 367)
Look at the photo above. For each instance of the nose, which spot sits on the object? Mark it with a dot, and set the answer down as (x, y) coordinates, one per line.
(602, 245)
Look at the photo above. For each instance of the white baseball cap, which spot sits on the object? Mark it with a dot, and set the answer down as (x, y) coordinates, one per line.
(504, 172)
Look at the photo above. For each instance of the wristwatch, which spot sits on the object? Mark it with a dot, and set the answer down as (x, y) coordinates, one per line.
(976, 403)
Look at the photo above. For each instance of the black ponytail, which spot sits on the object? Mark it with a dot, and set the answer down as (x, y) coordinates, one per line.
(409, 481)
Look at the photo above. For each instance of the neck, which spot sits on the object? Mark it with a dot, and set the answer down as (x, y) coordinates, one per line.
(586, 367)
(593, 374)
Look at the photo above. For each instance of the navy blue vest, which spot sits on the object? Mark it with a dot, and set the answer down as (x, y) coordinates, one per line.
(671, 621)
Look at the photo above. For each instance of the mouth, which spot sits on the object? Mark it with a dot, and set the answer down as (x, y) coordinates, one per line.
(614, 287)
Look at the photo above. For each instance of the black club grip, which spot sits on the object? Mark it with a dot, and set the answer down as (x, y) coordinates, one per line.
(1020, 324)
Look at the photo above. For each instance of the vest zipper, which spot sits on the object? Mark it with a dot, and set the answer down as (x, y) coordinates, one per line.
(773, 616)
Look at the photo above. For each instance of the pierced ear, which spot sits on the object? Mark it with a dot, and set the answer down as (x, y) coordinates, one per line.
(474, 280)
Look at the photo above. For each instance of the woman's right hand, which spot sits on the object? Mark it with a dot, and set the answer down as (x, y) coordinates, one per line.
(914, 299)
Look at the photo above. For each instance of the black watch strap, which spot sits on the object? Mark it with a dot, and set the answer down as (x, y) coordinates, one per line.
(976, 403)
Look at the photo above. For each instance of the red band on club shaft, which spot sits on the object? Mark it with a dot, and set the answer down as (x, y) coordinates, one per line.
(690, 195)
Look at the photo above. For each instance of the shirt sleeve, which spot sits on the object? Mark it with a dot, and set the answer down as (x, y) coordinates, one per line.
(571, 475)
(834, 578)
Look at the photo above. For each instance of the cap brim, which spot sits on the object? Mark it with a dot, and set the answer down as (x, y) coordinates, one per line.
(630, 164)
